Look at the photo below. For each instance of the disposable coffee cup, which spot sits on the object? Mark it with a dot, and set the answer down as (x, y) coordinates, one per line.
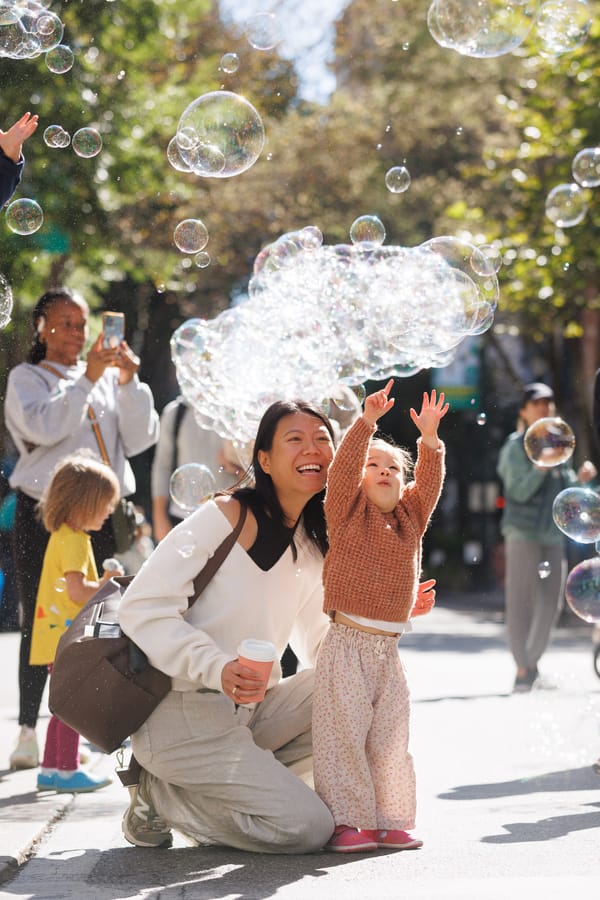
(260, 656)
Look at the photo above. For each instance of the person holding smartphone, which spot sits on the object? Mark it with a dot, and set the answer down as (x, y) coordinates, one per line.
(47, 410)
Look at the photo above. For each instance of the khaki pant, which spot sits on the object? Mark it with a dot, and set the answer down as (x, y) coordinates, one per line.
(218, 773)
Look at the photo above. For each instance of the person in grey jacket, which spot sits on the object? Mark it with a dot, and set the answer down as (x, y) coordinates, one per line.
(535, 548)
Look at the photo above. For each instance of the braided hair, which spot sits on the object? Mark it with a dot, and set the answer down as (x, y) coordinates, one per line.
(37, 351)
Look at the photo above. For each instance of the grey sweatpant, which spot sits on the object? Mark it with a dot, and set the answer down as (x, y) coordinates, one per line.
(532, 603)
(218, 773)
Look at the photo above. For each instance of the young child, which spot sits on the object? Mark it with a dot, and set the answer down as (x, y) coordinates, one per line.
(376, 521)
(81, 494)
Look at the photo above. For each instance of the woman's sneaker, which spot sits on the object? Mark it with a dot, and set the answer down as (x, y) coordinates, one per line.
(26, 754)
(397, 840)
(79, 783)
(351, 840)
(142, 826)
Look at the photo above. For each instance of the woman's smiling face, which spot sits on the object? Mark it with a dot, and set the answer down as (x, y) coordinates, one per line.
(300, 455)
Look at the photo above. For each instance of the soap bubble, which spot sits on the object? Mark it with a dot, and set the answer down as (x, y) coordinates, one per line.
(563, 25)
(480, 28)
(185, 542)
(544, 569)
(190, 236)
(481, 418)
(487, 259)
(191, 484)
(262, 31)
(87, 142)
(368, 231)
(176, 158)
(24, 216)
(566, 206)
(397, 179)
(576, 511)
(582, 589)
(221, 134)
(549, 442)
(586, 167)
(202, 259)
(6, 301)
(60, 585)
(60, 59)
(56, 136)
(230, 63)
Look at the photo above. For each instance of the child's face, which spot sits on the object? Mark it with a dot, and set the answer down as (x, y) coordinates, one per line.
(382, 480)
(101, 516)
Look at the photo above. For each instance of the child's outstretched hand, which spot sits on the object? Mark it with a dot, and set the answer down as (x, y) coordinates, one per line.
(11, 141)
(427, 421)
(377, 404)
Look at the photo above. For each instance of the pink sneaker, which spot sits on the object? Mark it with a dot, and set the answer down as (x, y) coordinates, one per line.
(397, 840)
(351, 840)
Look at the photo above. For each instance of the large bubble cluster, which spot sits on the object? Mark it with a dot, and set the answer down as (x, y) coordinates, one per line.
(28, 29)
(317, 316)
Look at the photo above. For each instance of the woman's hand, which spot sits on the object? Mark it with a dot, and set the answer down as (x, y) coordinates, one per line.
(127, 362)
(425, 598)
(98, 359)
(240, 683)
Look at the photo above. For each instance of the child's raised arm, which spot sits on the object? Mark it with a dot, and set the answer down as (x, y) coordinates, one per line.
(11, 141)
(377, 404)
(433, 409)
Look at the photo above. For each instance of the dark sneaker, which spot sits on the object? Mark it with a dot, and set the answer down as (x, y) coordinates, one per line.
(524, 683)
(142, 826)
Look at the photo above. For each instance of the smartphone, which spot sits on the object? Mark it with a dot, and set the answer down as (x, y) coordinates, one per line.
(113, 327)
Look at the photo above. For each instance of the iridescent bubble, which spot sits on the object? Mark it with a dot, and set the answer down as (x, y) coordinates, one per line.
(185, 542)
(191, 484)
(56, 136)
(223, 132)
(586, 167)
(176, 157)
(480, 28)
(566, 206)
(487, 259)
(311, 237)
(576, 511)
(48, 29)
(397, 179)
(481, 418)
(202, 259)
(563, 25)
(582, 589)
(263, 31)
(60, 59)
(6, 301)
(345, 397)
(544, 569)
(24, 216)
(87, 142)
(230, 63)
(367, 230)
(60, 585)
(549, 442)
(190, 236)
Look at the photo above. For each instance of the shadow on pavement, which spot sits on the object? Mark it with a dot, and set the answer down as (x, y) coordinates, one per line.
(582, 779)
(204, 873)
(546, 829)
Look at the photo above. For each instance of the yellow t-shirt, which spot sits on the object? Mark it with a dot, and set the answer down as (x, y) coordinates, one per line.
(67, 551)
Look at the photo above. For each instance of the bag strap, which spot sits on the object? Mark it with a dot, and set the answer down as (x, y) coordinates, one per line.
(215, 562)
(91, 417)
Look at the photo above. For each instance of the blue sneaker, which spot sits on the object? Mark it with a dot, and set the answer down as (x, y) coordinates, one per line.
(46, 782)
(79, 783)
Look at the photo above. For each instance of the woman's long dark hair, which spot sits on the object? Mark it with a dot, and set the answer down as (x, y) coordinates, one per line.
(263, 494)
(37, 351)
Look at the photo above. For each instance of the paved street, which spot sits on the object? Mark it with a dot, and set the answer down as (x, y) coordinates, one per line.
(509, 806)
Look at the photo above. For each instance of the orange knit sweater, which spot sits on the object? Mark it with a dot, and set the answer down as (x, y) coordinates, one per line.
(373, 565)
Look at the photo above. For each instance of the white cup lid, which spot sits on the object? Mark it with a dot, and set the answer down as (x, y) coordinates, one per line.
(261, 651)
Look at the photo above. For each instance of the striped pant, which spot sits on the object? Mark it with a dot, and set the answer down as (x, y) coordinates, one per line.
(361, 707)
